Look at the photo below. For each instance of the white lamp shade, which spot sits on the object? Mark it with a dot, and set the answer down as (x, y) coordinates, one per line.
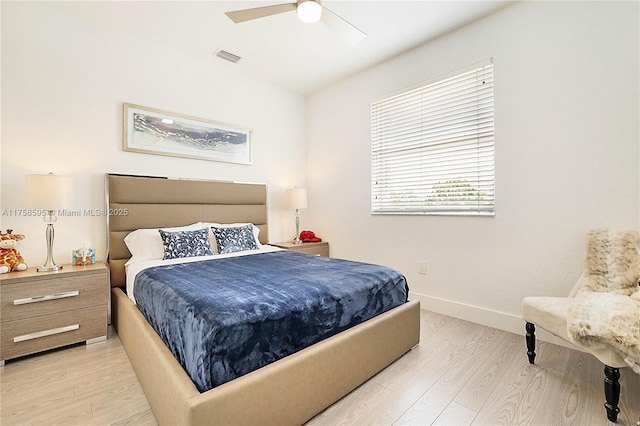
(309, 11)
(48, 192)
(297, 198)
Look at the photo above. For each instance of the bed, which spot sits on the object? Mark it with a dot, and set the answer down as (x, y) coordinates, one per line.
(288, 391)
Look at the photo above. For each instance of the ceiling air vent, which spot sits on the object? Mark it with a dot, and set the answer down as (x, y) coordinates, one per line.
(227, 56)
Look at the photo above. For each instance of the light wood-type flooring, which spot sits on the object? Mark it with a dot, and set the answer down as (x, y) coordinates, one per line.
(461, 374)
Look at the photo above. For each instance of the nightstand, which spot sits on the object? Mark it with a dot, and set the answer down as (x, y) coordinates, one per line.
(46, 310)
(318, 249)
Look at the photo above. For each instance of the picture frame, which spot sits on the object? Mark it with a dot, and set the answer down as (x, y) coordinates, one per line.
(154, 131)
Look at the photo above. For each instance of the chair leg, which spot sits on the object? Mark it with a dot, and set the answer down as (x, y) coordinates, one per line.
(611, 392)
(531, 341)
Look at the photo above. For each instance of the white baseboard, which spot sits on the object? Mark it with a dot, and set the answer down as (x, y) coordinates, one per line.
(496, 319)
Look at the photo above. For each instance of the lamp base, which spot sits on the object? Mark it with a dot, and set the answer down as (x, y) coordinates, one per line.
(49, 264)
(296, 240)
(49, 268)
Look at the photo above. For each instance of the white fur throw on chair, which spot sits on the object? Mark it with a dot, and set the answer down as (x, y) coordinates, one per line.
(601, 319)
(606, 311)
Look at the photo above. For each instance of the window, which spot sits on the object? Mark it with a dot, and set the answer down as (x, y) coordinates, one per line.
(432, 147)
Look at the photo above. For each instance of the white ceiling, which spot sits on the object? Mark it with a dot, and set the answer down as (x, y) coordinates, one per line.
(280, 48)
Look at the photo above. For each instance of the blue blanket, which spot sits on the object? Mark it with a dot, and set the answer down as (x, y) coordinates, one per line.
(223, 318)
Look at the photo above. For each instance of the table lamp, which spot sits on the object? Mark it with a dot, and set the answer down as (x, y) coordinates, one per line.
(49, 193)
(297, 199)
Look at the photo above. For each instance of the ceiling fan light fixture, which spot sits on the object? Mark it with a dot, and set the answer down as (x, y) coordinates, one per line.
(309, 11)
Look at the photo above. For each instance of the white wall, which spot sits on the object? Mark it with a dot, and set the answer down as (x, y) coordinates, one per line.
(567, 158)
(63, 85)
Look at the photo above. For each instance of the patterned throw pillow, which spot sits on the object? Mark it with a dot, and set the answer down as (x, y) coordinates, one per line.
(186, 243)
(232, 239)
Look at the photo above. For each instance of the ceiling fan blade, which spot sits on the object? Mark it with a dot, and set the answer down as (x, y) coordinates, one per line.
(238, 16)
(348, 32)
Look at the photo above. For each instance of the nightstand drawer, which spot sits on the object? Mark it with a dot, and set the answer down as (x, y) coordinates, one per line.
(30, 299)
(318, 249)
(44, 332)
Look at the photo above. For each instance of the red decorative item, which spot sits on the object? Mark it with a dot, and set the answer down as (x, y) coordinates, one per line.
(309, 237)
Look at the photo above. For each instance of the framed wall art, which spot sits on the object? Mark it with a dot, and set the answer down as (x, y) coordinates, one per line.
(153, 131)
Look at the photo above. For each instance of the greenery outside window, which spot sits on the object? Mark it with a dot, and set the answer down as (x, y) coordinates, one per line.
(432, 147)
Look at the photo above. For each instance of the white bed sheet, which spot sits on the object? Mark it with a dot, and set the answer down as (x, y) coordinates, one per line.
(133, 269)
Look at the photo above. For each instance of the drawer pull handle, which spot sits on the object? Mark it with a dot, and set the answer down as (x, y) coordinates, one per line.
(47, 297)
(44, 333)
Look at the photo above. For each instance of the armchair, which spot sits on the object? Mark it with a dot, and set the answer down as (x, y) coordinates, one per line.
(601, 316)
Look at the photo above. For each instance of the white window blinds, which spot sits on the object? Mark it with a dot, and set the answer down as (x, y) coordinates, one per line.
(432, 147)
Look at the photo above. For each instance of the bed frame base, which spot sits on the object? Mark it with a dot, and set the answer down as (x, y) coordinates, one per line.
(289, 391)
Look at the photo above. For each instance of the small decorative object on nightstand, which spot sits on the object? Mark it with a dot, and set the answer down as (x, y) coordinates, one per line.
(83, 256)
(10, 257)
(46, 310)
(318, 249)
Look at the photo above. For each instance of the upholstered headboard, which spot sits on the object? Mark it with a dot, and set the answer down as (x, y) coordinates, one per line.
(135, 202)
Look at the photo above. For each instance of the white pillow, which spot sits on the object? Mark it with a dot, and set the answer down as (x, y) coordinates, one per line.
(214, 245)
(146, 244)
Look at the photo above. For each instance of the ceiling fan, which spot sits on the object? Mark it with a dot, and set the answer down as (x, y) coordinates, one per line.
(308, 11)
